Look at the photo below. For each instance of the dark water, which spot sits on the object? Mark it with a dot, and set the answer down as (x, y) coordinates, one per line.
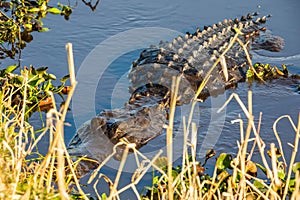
(113, 21)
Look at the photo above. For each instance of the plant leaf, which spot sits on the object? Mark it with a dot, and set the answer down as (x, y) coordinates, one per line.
(223, 161)
(11, 68)
(296, 167)
(224, 67)
(54, 11)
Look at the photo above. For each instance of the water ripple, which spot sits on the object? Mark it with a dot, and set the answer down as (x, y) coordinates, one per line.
(265, 58)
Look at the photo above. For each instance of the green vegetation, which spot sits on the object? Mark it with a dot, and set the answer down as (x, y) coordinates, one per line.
(18, 19)
(266, 72)
(24, 172)
(37, 89)
(233, 177)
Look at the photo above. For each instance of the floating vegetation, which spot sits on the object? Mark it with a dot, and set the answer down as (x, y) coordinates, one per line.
(34, 84)
(266, 72)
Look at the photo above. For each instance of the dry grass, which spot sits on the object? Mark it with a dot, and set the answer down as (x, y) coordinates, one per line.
(42, 177)
(188, 184)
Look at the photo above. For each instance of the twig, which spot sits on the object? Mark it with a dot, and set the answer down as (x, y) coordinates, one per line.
(249, 59)
(169, 139)
(293, 156)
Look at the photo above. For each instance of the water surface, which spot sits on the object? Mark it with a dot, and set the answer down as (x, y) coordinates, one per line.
(87, 29)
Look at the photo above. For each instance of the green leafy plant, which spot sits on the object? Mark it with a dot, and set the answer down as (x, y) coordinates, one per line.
(266, 72)
(18, 19)
(34, 84)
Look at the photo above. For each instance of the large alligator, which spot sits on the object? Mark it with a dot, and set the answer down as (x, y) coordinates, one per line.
(189, 57)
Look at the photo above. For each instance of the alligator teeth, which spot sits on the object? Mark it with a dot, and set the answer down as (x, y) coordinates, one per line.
(214, 26)
(225, 21)
(209, 29)
(205, 44)
(257, 20)
(219, 24)
(204, 32)
(199, 35)
(170, 45)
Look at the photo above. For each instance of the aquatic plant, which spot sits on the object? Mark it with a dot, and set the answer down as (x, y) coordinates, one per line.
(19, 19)
(34, 84)
(234, 177)
(24, 172)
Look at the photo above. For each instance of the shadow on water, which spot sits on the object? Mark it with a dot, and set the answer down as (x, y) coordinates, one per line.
(86, 30)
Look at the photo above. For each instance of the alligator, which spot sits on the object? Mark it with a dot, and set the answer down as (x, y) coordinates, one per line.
(189, 57)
